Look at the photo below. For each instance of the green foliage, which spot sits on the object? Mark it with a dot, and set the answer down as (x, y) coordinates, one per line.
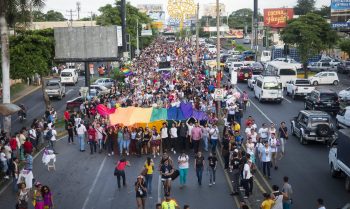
(344, 45)
(240, 48)
(118, 75)
(241, 18)
(304, 6)
(310, 34)
(324, 11)
(50, 15)
(31, 52)
(110, 15)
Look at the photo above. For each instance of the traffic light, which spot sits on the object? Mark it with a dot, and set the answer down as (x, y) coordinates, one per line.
(264, 41)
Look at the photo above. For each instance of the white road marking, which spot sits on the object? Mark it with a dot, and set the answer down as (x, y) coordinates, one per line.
(94, 183)
(287, 100)
(69, 91)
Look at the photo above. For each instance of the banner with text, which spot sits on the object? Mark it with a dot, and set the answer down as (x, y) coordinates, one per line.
(277, 18)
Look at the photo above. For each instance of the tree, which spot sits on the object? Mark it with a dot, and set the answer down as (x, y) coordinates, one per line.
(242, 18)
(110, 15)
(9, 10)
(344, 45)
(324, 11)
(304, 6)
(38, 16)
(52, 15)
(310, 34)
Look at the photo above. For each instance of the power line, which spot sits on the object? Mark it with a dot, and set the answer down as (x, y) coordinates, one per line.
(71, 16)
(78, 9)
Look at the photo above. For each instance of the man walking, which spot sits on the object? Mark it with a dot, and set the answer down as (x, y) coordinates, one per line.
(234, 166)
(283, 136)
(247, 179)
(199, 165)
(81, 131)
(287, 188)
(196, 137)
(265, 158)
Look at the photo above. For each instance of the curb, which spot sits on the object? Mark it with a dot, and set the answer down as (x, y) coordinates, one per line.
(26, 94)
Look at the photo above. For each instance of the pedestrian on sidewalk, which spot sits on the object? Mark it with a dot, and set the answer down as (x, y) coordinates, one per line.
(70, 131)
(169, 203)
(120, 171)
(149, 168)
(15, 173)
(287, 188)
(38, 199)
(126, 140)
(141, 192)
(22, 197)
(212, 162)
(110, 141)
(100, 133)
(263, 132)
(247, 178)
(274, 143)
(183, 134)
(81, 131)
(199, 166)
(205, 136)
(174, 137)
(235, 167)
(164, 133)
(265, 158)
(183, 161)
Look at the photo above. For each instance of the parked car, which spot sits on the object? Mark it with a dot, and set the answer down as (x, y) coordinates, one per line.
(100, 89)
(74, 104)
(325, 78)
(344, 94)
(332, 62)
(325, 100)
(211, 48)
(298, 87)
(321, 66)
(106, 82)
(343, 67)
(54, 88)
(229, 62)
(224, 57)
(244, 73)
(343, 118)
(312, 125)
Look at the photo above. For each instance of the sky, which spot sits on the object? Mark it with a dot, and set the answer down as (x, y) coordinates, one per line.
(88, 6)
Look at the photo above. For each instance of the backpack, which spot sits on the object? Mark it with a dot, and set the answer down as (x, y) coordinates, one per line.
(48, 135)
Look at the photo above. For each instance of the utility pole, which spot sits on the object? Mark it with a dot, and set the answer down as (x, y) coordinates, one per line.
(197, 35)
(218, 75)
(123, 17)
(137, 38)
(78, 9)
(256, 29)
(91, 13)
(71, 17)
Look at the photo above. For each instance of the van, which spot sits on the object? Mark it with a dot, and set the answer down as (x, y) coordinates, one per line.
(285, 71)
(268, 88)
(69, 76)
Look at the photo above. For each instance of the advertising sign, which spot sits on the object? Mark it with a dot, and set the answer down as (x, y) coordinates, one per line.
(146, 30)
(277, 18)
(237, 33)
(340, 14)
(340, 5)
(219, 94)
(210, 10)
(119, 36)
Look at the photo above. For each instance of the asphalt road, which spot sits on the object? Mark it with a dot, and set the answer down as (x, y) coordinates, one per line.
(35, 105)
(84, 181)
(306, 165)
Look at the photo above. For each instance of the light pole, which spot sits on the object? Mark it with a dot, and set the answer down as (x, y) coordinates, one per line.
(137, 38)
(256, 29)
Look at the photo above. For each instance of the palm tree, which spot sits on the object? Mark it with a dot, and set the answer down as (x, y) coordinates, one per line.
(12, 11)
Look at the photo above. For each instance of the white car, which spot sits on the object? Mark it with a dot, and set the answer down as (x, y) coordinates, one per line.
(345, 94)
(100, 89)
(325, 78)
(290, 61)
(235, 65)
(246, 40)
(211, 48)
(251, 82)
(343, 118)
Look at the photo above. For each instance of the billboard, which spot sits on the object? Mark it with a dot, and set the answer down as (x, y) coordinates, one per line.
(146, 30)
(277, 18)
(155, 12)
(210, 10)
(86, 43)
(237, 33)
(145, 8)
(340, 14)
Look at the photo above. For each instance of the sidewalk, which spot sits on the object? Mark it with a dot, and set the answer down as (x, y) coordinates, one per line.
(28, 89)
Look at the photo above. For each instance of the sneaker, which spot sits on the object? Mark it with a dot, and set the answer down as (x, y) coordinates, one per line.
(112, 153)
(245, 197)
(109, 155)
(214, 183)
(210, 184)
(174, 152)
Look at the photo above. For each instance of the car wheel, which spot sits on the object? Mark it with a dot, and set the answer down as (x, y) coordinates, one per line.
(315, 83)
(335, 82)
(302, 140)
(334, 173)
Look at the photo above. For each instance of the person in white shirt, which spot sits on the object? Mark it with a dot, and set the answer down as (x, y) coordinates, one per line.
(264, 132)
(265, 158)
(165, 136)
(183, 161)
(99, 136)
(214, 137)
(52, 140)
(173, 137)
(231, 112)
(81, 131)
(253, 135)
(247, 177)
(273, 143)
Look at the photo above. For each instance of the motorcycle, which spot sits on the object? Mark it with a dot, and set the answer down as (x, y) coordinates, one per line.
(22, 114)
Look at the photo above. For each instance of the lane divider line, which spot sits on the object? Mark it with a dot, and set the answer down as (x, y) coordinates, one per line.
(94, 183)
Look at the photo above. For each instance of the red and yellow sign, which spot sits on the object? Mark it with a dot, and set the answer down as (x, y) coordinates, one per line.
(277, 18)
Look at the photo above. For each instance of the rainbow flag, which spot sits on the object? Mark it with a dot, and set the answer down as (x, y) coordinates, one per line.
(126, 71)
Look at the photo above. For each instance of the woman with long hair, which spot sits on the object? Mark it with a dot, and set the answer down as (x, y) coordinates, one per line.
(147, 135)
(48, 198)
(139, 138)
(126, 140)
(155, 143)
(141, 192)
(149, 167)
(22, 197)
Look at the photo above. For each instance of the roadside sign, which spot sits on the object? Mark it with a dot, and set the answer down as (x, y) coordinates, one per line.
(83, 91)
(219, 94)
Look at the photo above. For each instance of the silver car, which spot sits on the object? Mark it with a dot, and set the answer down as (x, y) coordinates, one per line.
(106, 82)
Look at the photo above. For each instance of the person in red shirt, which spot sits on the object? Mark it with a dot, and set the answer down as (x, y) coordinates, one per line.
(92, 139)
(249, 120)
(14, 146)
(66, 115)
(28, 147)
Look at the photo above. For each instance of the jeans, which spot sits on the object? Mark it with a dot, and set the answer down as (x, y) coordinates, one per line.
(120, 145)
(213, 143)
(14, 184)
(183, 175)
(212, 172)
(287, 204)
(149, 183)
(266, 165)
(205, 142)
(248, 186)
(126, 144)
(52, 145)
(92, 146)
(121, 174)
(196, 145)
(199, 173)
(81, 142)
(238, 118)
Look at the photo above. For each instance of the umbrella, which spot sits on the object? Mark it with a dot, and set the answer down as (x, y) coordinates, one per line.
(7, 109)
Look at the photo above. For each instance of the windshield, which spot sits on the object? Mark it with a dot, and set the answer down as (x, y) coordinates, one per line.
(287, 72)
(256, 72)
(66, 74)
(246, 70)
(266, 54)
(319, 119)
(238, 65)
(331, 96)
(52, 84)
(272, 86)
(302, 82)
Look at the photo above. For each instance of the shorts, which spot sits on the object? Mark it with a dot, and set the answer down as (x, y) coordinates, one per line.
(165, 178)
(155, 143)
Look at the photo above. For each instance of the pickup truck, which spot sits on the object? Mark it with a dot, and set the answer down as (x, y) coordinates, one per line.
(321, 66)
(54, 88)
(299, 87)
(339, 158)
